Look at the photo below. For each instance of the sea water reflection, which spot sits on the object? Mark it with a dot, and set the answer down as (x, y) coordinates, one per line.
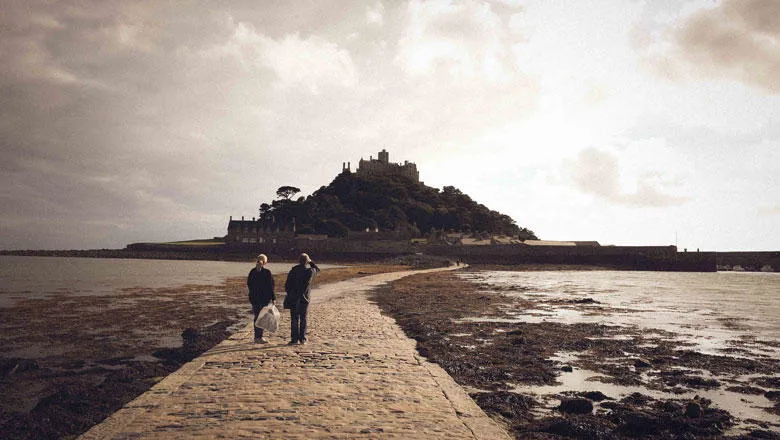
(723, 314)
(712, 311)
(38, 277)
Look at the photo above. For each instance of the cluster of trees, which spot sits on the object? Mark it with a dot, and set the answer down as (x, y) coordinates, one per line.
(355, 202)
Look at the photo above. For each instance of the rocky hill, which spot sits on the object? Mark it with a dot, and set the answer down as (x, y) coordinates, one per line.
(388, 203)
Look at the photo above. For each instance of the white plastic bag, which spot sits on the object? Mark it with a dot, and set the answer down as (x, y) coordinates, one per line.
(268, 318)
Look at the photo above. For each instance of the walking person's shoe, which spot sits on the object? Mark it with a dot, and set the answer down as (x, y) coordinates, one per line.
(291, 343)
(261, 341)
(303, 341)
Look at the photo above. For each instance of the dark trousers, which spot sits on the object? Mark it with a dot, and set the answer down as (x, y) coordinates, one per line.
(298, 314)
(256, 311)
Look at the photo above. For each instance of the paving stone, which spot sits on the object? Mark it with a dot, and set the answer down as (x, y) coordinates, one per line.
(358, 377)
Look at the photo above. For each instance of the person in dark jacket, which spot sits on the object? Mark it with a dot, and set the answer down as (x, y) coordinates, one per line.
(298, 288)
(261, 291)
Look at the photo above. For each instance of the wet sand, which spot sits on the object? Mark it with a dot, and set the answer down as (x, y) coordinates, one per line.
(68, 361)
(613, 382)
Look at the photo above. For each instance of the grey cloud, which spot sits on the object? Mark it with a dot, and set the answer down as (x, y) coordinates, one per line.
(736, 39)
(597, 172)
(725, 158)
(113, 123)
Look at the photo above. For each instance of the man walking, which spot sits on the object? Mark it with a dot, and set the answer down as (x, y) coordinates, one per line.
(298, 288)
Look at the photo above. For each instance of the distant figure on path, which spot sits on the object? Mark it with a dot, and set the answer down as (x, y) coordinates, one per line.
(298, 288)
(261, 292)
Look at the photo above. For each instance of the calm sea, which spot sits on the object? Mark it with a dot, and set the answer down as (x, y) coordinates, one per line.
(712, 310)
(35, 277)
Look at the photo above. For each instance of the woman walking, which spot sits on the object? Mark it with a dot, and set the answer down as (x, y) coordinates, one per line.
(261, 292)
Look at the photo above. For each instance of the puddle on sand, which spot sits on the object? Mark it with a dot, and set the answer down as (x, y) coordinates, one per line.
(742, 406)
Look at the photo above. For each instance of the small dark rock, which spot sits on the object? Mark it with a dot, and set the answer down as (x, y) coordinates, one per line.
(509, 405)
(693, 410)
(772, 395)
(742, 389)
(12, 366)
(562, 427)
(637, 424)
(637, 399)
(567, 368)
(596, 396)
(576, 406)
(700, 382)
(671, 407)
(642, 363)
(771, 435)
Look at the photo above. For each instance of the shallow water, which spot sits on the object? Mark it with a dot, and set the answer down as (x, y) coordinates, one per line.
(726, 314)
(37, 277)
(741, 406)
(712, 311)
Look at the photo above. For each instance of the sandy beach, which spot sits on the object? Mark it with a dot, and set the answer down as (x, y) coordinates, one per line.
(642, 385)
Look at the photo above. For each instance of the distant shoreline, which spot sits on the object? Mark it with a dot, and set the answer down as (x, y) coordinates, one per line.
(418, 261)
(743, 261)
(133, 254)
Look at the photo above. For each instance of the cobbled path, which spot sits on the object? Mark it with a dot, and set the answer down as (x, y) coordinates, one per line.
(359, 376)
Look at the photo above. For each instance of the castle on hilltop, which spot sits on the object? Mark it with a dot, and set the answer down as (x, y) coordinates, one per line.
(383, 167)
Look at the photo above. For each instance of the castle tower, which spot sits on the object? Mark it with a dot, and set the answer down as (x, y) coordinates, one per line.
(383, 166)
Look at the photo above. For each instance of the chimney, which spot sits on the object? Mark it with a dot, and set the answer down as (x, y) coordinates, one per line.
(231, 218)
(242, 218)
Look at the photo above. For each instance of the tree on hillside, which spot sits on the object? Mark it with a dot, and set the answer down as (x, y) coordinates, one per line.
(355, 202)
(265, 212)
(526, 234)
(286, 192)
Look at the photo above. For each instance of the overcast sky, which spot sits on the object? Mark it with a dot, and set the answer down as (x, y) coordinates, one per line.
(628, 122)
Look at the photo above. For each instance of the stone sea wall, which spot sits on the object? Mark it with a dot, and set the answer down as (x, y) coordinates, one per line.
(749, 261)
(663, 258)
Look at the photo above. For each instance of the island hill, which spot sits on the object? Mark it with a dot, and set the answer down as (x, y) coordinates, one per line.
(382, 210)
(380, 202)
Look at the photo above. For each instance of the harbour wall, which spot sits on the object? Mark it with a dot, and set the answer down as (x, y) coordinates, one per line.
(656, 258)
(749, 261)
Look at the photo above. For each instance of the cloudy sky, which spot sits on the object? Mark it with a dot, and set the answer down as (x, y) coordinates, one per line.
(624, 121)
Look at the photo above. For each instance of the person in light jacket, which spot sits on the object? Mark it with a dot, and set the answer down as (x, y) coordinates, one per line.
(298, 288)
(261, 292)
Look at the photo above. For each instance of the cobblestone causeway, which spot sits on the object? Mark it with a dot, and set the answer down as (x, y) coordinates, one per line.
(358, 377)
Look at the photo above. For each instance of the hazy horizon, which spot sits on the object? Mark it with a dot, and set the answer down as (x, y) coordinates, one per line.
(628, 122)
